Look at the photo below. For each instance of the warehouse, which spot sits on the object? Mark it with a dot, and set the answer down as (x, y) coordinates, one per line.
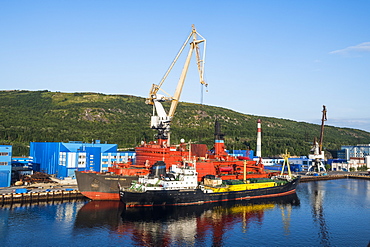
(63, 159)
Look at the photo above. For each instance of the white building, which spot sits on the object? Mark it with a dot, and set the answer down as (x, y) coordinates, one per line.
(354, 163)
(358, 151)
(356, 156)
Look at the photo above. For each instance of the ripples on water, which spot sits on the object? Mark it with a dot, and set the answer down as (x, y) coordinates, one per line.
(325, 213)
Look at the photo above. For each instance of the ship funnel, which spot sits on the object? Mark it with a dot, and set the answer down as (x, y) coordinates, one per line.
(158, 169)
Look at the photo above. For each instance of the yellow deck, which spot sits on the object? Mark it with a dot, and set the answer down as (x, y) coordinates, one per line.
(241, 187)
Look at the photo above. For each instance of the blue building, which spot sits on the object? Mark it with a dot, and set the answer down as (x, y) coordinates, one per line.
(63, 159)
(108, 159)
(242, 153)
(297, 164)
(25, 162)
(5, 165)
(23, 166)
(300, 164)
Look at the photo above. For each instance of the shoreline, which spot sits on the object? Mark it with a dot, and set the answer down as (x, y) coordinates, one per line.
(60, 190)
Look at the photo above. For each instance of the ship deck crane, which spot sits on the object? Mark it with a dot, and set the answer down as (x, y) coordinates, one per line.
(318, 153)
(161, 120)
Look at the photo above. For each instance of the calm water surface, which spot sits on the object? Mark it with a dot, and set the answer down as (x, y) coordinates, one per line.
(325, 213)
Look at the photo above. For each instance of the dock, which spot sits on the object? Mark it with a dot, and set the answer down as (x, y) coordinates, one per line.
(305, 178)
(47, 196)
(40, 192)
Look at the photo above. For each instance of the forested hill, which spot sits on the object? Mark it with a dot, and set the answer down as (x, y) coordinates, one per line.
(37, 116)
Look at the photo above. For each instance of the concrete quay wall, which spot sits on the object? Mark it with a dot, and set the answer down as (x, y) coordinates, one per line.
(305, 178)
(30, 197)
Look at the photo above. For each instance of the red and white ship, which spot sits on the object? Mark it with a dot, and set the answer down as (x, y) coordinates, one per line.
(217, 162)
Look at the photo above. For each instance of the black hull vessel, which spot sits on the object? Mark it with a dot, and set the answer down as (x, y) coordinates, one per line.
(179, 187)
(199, 196)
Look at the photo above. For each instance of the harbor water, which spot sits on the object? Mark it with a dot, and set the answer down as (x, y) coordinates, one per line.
(321, 213)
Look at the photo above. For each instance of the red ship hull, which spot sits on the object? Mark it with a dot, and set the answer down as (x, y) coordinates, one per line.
(101, 196)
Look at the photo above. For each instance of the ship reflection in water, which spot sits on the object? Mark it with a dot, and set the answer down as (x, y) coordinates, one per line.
(179, 226)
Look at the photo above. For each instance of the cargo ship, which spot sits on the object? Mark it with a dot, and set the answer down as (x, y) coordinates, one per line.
(180, 187)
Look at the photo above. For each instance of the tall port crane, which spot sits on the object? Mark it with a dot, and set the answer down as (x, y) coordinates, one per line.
(318, 153)
(161, 120)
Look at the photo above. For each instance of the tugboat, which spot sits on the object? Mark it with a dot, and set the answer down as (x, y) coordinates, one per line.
(180, 187)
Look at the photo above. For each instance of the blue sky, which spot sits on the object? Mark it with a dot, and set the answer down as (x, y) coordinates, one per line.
(281, 59)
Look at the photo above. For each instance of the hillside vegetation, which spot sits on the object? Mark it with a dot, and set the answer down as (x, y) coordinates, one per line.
(38, 116)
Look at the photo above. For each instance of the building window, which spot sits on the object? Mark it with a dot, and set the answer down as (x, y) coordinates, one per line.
(4, 154)
(3, 163)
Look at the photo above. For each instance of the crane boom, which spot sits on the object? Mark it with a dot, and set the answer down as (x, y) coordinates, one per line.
(323, 119)
(161, 121)
(177, 94)
(318, 153)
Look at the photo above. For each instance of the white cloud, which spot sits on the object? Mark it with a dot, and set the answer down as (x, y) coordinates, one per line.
(363, 47)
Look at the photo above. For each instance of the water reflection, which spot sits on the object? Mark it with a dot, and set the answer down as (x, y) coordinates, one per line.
(190, 225)
(105, 214)
(317, 194)
(24, 224)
